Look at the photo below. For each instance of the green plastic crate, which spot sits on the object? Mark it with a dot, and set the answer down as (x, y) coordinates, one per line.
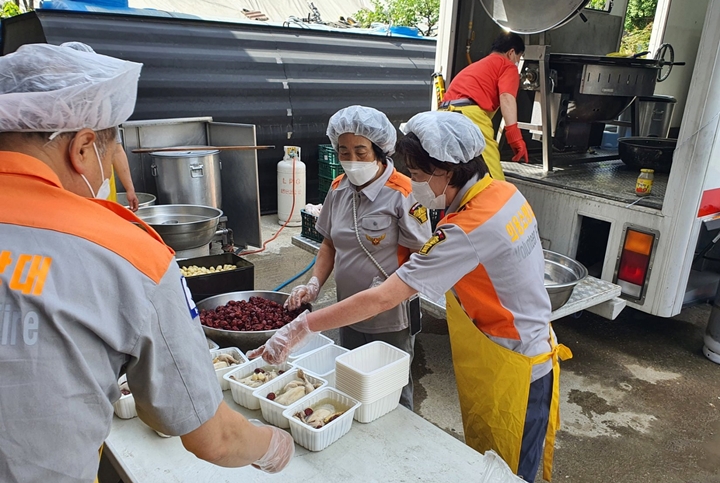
(324, 185)
(328, 164)
(308, 227)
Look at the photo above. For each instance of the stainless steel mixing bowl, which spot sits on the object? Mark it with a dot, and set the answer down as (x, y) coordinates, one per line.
(243, 340)
(182, 226)
(562, 274)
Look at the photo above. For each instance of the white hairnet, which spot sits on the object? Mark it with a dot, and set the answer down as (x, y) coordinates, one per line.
(366, 122)
(49, 88)
(447, 136)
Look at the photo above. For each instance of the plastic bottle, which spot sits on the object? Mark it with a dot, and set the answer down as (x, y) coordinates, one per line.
(644, 182)
(291, 186)
(439, 85)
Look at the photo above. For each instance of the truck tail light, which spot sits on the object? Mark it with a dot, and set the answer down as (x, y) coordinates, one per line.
(634, 262)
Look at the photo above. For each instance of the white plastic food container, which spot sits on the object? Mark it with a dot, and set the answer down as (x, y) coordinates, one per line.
(242, 394)
(321, 362)
(319, 439)
(273, 412)
(212, 345)
(236, 354)
(374, 361)
(370, 411)
(125, 406)
(316, 342)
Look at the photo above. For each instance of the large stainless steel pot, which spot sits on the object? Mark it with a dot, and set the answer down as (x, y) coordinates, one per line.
(562, 274)
(243, 340)
(182, 226)
(188, 177)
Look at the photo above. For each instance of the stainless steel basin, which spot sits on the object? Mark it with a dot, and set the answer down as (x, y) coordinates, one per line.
(182, 226)
(243, 340)
(562, 274)
(144, 199)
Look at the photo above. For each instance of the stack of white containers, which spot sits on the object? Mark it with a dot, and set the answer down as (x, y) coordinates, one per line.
(374, 374)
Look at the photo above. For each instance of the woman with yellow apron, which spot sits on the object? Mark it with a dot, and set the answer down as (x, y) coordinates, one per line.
(486, 259)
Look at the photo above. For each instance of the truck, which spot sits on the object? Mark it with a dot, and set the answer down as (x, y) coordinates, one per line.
(661, 249)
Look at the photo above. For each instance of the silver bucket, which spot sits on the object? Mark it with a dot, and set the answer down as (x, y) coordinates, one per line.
(144, 199)
(188, 177)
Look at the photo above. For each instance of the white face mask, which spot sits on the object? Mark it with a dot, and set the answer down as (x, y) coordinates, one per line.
(104, 191)
(425, 195)
(360, 172)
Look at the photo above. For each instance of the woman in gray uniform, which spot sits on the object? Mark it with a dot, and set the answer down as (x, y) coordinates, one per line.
(371, 223)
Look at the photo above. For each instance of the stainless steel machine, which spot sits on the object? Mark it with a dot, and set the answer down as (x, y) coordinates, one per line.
(209, 181)
(574, 94)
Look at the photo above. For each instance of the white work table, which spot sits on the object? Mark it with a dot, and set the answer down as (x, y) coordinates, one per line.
(592, 294)
(400, 446)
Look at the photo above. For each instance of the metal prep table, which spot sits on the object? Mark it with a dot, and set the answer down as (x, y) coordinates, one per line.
(400, 446)
(592, 294)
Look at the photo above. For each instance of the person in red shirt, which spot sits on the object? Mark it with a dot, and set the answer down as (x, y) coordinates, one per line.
(480, 88)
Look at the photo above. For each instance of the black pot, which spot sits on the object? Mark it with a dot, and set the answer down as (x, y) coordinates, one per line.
(647, 153)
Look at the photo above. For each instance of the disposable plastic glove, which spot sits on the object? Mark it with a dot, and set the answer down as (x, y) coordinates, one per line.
(516, 142)
(287, 339)
(279, 453)
(303, 294)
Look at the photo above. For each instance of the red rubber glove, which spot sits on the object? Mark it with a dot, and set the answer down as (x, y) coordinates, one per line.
(516, 142)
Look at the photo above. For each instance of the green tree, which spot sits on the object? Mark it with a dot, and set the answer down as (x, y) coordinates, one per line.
(639, 14)
(9, 9)
(423, 14)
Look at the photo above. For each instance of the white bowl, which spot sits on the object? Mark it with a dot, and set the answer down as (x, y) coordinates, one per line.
(234, 352)
(125, 406)
(321, 362)
(319, 439)
(273, 412)
(242, 394)
(369, 412)
(317, 341)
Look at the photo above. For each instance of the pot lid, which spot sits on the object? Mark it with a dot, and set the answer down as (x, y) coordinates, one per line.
(532, 16)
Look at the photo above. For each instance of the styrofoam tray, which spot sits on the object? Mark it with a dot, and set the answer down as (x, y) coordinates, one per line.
(273, 412)
(321, 362)
(242, 394)
(319, 439)
(212, 345)
(369, 412)
(234, 352)
(316, 342)
(374, 360)
(125, 406)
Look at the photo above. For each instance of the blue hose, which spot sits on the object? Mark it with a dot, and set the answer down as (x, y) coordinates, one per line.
(296, 276)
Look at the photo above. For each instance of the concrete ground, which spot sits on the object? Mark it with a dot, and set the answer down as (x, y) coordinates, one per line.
(639, 401)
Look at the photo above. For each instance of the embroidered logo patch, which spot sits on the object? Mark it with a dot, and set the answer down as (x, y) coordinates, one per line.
(419, 212)
(438, 237)
(194, 312)
(375, 240)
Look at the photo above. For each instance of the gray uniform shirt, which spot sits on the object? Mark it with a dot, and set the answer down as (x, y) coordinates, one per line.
(489, 253)
(390, 224)
(71, 321)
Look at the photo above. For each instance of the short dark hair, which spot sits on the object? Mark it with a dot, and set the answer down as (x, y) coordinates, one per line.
(379, 153)
(105, 138)
(415, 157)
(508, 41)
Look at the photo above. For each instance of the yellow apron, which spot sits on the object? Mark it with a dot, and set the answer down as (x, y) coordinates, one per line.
(494, 383)
(483, 120)
(113, 188)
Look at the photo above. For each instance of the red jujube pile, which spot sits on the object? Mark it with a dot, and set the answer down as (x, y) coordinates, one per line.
(255, 314)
